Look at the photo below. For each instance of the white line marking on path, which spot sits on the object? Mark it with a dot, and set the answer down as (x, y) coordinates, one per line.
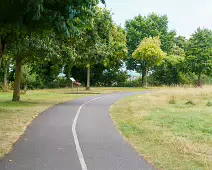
(76, 141)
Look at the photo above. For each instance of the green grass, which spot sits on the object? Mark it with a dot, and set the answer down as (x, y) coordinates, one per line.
(166, 130)
(16, 116)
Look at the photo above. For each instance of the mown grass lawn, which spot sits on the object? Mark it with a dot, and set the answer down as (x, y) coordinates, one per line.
(16, 116)
(171, 128)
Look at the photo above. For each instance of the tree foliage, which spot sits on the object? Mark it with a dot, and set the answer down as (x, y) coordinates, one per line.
(199, 53)
(141, 27)
(149, 52)
(64, 18)
(170, 70)
(103, 44)
(47, 35)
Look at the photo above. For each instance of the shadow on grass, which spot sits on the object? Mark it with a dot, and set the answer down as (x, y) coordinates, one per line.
(18, 104)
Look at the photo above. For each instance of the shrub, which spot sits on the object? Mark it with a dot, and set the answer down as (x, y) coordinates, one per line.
(11, 85)
(209, 103)
(172, 100)
(190, 102)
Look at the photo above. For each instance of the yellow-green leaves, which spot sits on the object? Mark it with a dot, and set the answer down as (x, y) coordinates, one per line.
(149, 51)
(174, 60)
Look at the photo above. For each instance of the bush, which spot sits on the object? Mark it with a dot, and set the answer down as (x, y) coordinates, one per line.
(206, 79)
(188, 78)
(133, 83)
(59, 83)
(209, 103)
(11, 85)
(172, 100)
(190, 102)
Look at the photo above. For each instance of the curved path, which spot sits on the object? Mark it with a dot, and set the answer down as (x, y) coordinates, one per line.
(77, 135)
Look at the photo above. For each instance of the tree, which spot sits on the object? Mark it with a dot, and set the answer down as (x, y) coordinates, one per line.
(24, 49)
(28, 50)
(117, 50)
(114, 51)
(92, 48)
(149, 52)
(181, 41)
(199, 53)
(141, 27)
(6, 62)
(66, 17)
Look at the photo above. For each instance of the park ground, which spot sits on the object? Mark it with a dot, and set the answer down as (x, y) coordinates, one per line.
(170, 127)
(16, 116)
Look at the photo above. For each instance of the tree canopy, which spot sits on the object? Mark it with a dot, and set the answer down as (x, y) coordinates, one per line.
(149, 52)
(199, 53)
(79, 39)
(141, 27)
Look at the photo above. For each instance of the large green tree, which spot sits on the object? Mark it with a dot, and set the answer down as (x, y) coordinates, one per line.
(92, 48)
(66, 17)
(199, 53)
(27, 50)
(149, 52)
(117, 50)
(141, 27)
(114, 51)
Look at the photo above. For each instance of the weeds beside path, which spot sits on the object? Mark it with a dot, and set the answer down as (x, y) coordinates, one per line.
(171, 128)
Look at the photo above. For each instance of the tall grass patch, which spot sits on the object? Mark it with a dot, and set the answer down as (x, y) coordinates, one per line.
(171, 127)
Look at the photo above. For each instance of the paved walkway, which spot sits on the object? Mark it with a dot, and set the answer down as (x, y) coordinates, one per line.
(77, 135)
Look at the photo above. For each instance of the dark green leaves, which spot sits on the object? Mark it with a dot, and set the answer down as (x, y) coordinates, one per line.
(199, 51)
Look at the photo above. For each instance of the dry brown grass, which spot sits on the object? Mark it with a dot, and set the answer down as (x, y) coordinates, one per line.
(166, 130)
(16, 116)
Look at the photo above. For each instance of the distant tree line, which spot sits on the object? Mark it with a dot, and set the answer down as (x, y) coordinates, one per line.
(186, 61)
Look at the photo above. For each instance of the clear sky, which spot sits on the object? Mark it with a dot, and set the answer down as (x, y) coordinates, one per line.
(184, 15)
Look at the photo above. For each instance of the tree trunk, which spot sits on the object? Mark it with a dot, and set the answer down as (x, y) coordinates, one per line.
(143, 76)
(2, 48)
(88, 77)
(1, 55)
(6, 68)
(16, 92)
(146, 77)
(199, 80)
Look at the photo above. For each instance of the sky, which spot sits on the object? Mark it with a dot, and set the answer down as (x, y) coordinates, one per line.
(185, 16)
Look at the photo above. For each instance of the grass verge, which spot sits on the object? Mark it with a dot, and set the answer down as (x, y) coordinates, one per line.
(16, 116)
(171, 127)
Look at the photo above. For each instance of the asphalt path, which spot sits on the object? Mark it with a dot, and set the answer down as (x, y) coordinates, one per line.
(76, 135)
